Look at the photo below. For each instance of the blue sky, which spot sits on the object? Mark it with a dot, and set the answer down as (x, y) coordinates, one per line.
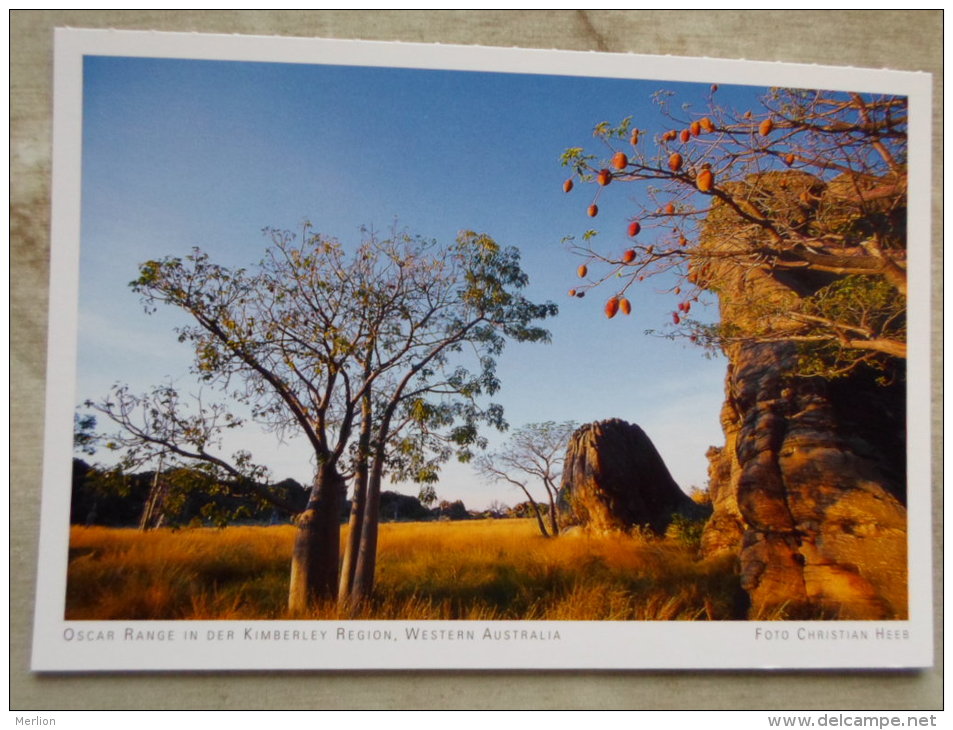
(180, 153)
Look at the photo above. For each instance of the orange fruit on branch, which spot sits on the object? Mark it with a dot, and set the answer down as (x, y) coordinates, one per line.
(612, 307)
(567, 186)
(685, 135)
(604, 177)
(628, 257)
(582, 271)
(625, 306)
(706, 124)
(675, 162)
(705, 180)
(634, 228)
(695, 128)
(764, 129)
(620, 161)
(593, 210)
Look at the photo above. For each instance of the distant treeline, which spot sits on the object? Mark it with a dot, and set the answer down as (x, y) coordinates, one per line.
(183, 498)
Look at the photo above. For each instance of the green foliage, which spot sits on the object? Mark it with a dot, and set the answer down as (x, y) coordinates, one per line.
(427, 495)
(84, 434)
(686, 531)
(401, 329)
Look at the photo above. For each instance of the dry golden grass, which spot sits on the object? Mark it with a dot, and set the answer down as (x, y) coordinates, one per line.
(487, 569)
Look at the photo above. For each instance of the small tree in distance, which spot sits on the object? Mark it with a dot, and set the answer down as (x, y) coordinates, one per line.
(533, 453)
(809, 188)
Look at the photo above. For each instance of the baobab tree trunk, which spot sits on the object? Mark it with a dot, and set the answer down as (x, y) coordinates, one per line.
(366, 565)
(314, 561)
(356, 519)
(355, 526)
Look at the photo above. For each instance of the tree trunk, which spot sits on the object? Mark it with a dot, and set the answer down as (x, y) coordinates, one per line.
(553, 523)
(314, 561)
(363, 583)
(151, 515)
(539, 516)
(355, 522)
(355, 527)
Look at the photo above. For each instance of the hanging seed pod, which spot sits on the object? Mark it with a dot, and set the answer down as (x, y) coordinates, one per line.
(705, 180)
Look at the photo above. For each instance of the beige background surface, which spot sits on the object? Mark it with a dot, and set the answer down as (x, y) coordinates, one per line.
(909, 40)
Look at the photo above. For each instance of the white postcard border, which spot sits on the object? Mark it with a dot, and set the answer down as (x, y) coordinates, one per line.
(61, 645)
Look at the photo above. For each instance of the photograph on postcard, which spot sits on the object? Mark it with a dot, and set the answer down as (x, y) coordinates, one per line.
(367, 345)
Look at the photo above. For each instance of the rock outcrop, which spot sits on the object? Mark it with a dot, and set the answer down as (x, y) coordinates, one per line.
(809, 487)
(614, 479)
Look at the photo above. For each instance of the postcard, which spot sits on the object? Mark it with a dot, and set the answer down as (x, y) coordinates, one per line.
(395, 356)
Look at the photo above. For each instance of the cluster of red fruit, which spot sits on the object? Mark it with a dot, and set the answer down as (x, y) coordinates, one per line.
(618, 303)
(705, 179)
(704, 182)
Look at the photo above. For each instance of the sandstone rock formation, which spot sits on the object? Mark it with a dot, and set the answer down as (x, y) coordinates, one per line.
(614, 479)
(810, 484)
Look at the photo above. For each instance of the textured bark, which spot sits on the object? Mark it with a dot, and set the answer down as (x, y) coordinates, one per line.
(314, 560)
(614, 479)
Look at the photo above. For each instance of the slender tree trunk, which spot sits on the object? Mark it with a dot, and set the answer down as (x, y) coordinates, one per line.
(356, 520)
(352, 542)
(314, 561)
(553, 523)
(367, 555)
(539, 516)
(149, 519)
(355, 523)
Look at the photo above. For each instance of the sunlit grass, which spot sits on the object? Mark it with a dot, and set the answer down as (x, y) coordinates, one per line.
(487, 569)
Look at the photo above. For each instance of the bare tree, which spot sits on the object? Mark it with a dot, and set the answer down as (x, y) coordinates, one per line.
(809, 188)
(533, 453)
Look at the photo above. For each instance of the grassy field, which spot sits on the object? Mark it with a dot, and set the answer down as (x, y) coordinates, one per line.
(484, 569)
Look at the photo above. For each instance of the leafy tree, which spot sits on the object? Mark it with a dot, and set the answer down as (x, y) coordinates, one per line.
(424, 406)
(427, 495)
(84, 434)
(534, 452)
(321, 343)
(809, 189)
